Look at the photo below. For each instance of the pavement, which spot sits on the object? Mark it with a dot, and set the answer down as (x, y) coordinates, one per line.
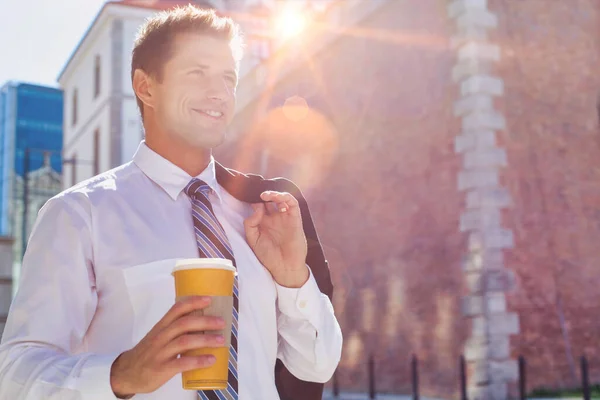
(327, 395)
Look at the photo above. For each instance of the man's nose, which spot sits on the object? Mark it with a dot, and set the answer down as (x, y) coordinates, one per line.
(219, 90)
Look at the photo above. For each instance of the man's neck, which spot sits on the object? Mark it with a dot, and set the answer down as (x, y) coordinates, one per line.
(191, 160)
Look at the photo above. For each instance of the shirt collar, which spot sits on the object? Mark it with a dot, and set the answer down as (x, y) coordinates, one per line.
(170, 177)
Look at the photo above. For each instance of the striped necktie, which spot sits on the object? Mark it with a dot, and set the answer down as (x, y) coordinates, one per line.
(213, 243)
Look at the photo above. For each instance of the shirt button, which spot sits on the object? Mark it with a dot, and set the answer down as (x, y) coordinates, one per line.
(302, 303)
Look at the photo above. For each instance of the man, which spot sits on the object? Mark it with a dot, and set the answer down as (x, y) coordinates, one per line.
(95, 316)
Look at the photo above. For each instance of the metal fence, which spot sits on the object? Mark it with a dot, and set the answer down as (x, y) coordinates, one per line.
(372, 384)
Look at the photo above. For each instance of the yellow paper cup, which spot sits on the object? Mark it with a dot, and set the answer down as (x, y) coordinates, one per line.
(208, 277)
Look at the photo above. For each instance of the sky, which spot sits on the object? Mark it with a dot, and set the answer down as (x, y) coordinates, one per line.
(38, 36)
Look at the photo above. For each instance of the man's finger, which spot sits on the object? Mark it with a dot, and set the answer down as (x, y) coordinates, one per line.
(284, 201)
(181, 308)
(188, 324)
(288, 204)
(186, 363)
(190, 341)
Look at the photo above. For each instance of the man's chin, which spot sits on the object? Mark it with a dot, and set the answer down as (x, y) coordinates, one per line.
(209, 141)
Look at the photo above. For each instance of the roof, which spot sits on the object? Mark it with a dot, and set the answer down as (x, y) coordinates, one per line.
(158, 5)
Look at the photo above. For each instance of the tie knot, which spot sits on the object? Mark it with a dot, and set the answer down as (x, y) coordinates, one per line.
(197, 187)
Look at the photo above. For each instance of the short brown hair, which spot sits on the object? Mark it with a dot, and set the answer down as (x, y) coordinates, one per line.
(153, 45)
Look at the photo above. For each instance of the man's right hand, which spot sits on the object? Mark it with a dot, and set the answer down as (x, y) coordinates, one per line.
(154, 360)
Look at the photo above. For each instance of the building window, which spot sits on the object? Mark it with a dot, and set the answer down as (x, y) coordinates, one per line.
(96, 151)
(74, 105)
(97, 77)
(74, 169)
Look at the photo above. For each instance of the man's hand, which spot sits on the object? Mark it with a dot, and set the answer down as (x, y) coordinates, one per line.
(274, 232)
(154, 360)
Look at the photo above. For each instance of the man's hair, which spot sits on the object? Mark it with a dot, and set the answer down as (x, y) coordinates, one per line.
(153, 46)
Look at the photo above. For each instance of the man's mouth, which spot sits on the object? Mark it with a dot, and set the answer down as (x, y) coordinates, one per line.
(210, 113)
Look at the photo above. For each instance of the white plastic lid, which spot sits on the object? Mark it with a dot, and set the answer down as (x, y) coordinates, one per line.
(208, 263)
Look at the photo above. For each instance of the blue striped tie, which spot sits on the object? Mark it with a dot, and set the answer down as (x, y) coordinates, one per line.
(213, 243)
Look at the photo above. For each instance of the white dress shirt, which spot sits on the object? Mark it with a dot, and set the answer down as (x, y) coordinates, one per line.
(96, 278)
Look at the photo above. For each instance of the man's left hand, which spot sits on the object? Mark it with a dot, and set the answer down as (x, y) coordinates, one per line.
(275, 234)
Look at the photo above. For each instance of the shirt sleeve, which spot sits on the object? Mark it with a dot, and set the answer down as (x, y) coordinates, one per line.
(310, 338)
(41, 353)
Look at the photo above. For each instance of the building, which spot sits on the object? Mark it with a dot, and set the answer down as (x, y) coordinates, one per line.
(30, 149)
(448, 150)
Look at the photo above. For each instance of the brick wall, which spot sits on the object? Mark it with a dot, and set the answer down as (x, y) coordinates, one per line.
(375, 158)
(550, 66)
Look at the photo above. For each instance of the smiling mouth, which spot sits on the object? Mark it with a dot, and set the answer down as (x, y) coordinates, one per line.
(209, 113)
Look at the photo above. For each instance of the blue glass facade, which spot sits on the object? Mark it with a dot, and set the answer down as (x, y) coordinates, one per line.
(31, 117)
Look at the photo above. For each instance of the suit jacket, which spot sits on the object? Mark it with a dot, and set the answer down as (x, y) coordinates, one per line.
(247, 188)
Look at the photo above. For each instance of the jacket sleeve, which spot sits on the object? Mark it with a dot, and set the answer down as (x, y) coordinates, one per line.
(310, 338)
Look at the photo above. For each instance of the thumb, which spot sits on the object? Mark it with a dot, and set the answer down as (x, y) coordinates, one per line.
(252, 222)
(257, 216)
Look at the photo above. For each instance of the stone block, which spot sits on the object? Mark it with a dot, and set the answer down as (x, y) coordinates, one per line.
(483, 139)
(484, 120)
(478, 50)
(458, 7)
(478, 372)
(475, 245)
(495, 303)
(473, 17)
(503, 371)
(499, 347)
(482, 158)
(472, 306)
(471, 67)
(498, 238)
(482, 218)
(476, 392)
(465, 142)
(498, 391)
(482, 84)
(493, 259)
(488, 197)
(479, 258)
(474, 282)
(472, 263)
(503, 324)
(479, 327)
(476, 349)
(472, 179)
(501, 280)
(474, 102)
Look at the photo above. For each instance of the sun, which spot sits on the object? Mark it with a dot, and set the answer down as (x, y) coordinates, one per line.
(290, 23)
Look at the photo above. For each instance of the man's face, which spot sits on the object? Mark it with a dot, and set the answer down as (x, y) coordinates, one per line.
(195, 100)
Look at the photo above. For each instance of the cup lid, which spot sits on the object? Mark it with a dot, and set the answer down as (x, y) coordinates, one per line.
(197, 263)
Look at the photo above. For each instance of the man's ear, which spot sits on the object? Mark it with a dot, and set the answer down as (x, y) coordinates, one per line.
(143, 86)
